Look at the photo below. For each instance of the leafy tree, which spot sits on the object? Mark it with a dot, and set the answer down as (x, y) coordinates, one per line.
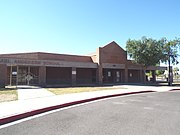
(170, 50)
(146, 51)
(159, 72)
(176, 69)
(151, 52)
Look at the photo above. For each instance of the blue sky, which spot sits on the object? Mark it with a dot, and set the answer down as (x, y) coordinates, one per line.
(81, 26)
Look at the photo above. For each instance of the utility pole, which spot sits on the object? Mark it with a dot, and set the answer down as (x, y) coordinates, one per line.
(169, 70)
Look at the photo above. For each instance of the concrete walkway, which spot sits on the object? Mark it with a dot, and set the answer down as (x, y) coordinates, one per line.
(30, 92)
(33, 103)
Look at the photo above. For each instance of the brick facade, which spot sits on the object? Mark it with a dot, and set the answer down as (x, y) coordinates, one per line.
(107, 65)
(3, 75)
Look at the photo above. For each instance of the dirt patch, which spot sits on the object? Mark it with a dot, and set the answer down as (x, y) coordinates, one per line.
(59, 91)
(7, 97)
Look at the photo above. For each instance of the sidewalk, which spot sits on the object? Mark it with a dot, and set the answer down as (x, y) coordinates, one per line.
(30, 92)
(33, 105)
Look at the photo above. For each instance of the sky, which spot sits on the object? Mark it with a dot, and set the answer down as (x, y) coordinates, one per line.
(80, 26)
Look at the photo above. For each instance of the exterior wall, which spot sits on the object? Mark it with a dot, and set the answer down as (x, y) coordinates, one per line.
(58, 76)
(72, 69)
(108, 55)
(137, 70)
(96, 57)
(21, 55)
(112, 57)
(42, 76)
(86, 76)
(63, 57)
(113, 76)
(112, 53)
(3, 75)
(74, 73)
(48, 56)
(134, 76)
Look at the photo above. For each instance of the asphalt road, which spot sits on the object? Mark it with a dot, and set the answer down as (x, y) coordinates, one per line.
(143, 114)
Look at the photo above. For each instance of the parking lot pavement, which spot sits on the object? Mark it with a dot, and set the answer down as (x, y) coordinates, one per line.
(48, 101)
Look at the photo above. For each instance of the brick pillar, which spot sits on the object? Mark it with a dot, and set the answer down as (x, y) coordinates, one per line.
(74, 76)
(126, 75)
(42, 76)
(141, 76)
(154, 75)
(100, 75)
(144, 75)
(3, 75)
(97, 76)
(99, 58)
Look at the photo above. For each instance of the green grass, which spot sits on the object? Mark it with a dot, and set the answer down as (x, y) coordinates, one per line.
(59, 91)
(8, 94)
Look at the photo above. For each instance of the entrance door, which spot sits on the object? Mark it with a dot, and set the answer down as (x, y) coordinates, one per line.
(28, 75)
(22, 73)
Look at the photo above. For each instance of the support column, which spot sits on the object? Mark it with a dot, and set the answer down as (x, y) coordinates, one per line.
(100, 75)
(73, 76)
(17, 70)
(28, 79)
(142, 76)
(99, 58)
(154, 76)
(3, 75)
(42, 76)
(10, 75)
(126, 75)
(97, 76)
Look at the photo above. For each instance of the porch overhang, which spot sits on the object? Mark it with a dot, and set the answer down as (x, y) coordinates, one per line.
(48, 63)
(113, 66)
(156, 68)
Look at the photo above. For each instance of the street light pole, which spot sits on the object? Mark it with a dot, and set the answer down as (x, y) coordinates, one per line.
(169, 74)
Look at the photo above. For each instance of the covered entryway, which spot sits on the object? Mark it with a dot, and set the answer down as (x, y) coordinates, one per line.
(22, 75)
(113, 76)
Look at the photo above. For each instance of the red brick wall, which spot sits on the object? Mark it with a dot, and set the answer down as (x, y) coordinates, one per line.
(85, 76)
(134, 76)
(113, 78)
(3, 75)
(48, 56)
(57, 75)
(112, 53)
(62, 57)
(21, 56)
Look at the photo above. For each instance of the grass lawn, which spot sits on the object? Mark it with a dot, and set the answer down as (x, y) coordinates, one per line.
(8, 94)
(59, 91)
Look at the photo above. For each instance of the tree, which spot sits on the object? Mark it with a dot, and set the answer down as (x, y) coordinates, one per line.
(170, 50)
(146, 51)
(176, 69)
(150, 52)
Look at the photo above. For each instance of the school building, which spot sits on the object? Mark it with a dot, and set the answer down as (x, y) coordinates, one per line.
(107, 65)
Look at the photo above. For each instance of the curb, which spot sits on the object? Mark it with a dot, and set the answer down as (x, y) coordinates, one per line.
(46, 109)
(174, 89)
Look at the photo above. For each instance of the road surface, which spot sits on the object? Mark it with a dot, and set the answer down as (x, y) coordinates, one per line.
(142, 114)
